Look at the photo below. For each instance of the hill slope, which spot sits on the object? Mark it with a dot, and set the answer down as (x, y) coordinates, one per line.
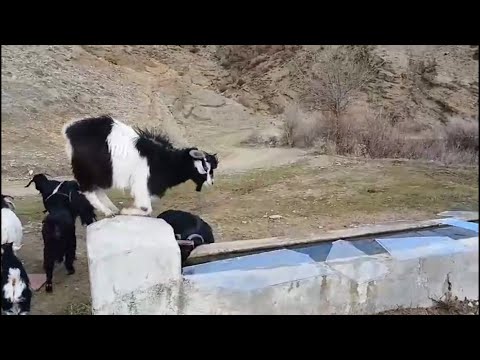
(210, 96)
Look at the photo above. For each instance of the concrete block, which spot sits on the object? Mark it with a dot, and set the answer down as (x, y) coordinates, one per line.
(134, 265)
(363, 285)
(135, 268)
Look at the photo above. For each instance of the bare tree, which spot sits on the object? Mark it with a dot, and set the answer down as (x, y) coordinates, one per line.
(338, 75)
(334, 78)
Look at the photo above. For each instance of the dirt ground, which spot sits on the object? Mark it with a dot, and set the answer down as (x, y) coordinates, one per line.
(450, 307)
(310, 196)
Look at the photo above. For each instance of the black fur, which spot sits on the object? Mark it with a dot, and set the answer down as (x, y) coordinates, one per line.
(91, 161)
(169, 166)
(58, 227)
(187, 225)
(70, 197)
(5, 204)
(10, 261)
(59, 239)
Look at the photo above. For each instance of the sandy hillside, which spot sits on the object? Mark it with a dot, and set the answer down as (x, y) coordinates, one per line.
(211, 96)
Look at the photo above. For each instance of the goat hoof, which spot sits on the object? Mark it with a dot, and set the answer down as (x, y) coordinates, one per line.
(143, 211)
(48, 288)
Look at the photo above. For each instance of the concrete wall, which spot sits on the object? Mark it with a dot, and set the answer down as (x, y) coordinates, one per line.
(134, 266)
(135, 269)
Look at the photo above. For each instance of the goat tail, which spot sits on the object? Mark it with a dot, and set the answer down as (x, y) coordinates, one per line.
(82, 207)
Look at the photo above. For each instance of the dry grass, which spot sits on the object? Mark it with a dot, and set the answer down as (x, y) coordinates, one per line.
(78, 309)
(448, 306)
(308, 197)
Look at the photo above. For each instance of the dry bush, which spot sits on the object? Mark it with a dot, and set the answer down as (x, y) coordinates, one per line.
(256, 138)
(298, 129)
(462, 135)
(374, 135)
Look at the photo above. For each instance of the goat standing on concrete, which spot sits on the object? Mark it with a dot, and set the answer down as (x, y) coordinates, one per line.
(72, 199)
(190, 230)
(12, 231)
(106, 153)
(16, 291)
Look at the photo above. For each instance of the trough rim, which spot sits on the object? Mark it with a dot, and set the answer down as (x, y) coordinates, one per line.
(228, 249)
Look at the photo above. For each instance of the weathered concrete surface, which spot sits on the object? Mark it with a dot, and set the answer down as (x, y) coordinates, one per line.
(220, 250)
(365, 285)
(135, 269)
(134, 265)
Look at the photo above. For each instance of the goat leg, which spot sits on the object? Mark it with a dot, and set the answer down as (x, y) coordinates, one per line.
(48, 265)
(70, 255)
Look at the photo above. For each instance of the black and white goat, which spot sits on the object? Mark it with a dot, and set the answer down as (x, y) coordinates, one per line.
(12, 231)
(59, 239)
(190, 230)
(71, 197)
(16, 291)
(105, 153)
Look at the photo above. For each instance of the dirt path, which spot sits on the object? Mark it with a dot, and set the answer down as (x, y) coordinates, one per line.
(236, 160)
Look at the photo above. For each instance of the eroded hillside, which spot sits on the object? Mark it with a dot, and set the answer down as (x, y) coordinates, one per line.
(211, 96)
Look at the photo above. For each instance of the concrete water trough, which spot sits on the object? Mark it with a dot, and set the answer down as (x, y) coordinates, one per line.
(353, 271)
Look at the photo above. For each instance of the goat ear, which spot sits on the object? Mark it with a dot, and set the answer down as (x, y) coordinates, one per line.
(196, 154)
(29, 183)
(8, 199)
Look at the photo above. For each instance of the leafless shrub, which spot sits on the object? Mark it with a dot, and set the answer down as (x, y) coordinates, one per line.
(462, 135)
(298, 129)
(256, 138)
(337, 75)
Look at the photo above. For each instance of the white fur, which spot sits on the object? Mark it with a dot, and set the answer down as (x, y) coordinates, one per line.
(130, 170)
(201, 170)
(12, 231)
(106, 201)
(97, 203)
(14, 287)
(68, 146)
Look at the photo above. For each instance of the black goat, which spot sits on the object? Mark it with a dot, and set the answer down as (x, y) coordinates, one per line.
(73, 199)
(190, 230)
(16, 291)
(59, 239)
(106, 153)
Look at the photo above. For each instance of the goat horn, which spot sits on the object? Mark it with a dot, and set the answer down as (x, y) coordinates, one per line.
(197, 154)
(185, 242)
